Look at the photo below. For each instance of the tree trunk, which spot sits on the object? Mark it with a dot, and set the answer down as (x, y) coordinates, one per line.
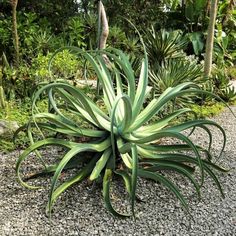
(15, 33)
(210, 39)
(2, 95)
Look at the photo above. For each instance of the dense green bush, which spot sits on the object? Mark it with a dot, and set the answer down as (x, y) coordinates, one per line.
(30, 26)
(56, 12)
(5, 33)
(22, 82)
(73, 32)
(37, 36)
(64, 65)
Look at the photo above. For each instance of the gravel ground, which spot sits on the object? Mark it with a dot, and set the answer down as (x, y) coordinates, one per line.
(80, 211)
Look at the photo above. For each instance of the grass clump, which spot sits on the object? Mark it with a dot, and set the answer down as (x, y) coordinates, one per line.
(207, 109)
(19, 112)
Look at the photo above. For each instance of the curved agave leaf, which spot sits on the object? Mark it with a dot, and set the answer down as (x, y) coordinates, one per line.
(28, 127)
(126, 109)
(101, 163)
(86, 107)
(175, 166)
(209, 135)
(173, 134)
(162, 123)
(123, 147)
(62, 126)
(201, 123)
(169, 147)
(166, 182)
(206, 165)
(141, 89)
(126, 122)
(79, 148)
(134, 176)
(102, 121)
(213, 176)
(127, 160)
(127, 180)
(156, 104)
(105, 78)
(35, 146)
(81, 175)
(123, 63)
(106, 194)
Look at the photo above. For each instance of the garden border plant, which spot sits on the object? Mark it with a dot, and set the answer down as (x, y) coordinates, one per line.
(122, 141)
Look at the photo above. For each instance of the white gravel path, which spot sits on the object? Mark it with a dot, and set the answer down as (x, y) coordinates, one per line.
(80, 211)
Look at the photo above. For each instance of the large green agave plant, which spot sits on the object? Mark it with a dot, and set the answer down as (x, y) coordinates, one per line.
(122, 138)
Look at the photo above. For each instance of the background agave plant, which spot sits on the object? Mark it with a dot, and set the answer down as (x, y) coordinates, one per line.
(221, 85)
(174, 72)
(169, 64)
(120, 139)
(162, 45)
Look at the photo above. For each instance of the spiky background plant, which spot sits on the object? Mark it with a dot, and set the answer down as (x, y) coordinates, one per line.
(174, 72)
(121, 139)
(163, 45)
